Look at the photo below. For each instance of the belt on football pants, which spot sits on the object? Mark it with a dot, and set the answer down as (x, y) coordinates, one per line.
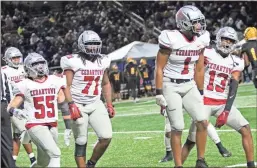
(178, 81)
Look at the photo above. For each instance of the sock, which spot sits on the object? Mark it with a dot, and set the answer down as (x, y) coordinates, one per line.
(168, 152)
(90, 163)
(212, 133)
(250, 164)
(219, 146)
(14, 157)
(167, 143)
(32, 157)
(67, 123)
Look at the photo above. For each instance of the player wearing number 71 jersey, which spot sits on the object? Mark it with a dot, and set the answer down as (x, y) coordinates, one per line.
(86, 76)
(40, 93)
(222, 73)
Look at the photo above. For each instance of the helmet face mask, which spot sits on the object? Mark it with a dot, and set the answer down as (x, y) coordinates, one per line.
(190, 19)
(226, 39)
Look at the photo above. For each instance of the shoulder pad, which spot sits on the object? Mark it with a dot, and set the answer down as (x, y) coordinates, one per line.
(166, 38)
(68, 62)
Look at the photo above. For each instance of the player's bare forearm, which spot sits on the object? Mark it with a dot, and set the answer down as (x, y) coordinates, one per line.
(69, 77)
(61, 96)
(107, 89)
(67, 94)
(15, 102)
(199, 72)
(232, 90)
(161, 61)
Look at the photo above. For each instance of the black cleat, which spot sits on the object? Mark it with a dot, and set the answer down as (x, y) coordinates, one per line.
(200, 163)
(167, 157)
(224, 152)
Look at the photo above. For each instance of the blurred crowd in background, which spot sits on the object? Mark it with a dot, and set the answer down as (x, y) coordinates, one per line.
(52, 28)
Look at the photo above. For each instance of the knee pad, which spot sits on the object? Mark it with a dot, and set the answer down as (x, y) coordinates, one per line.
(16, 136)
(80, 150)
(64, 108)
(81, 140)
(189, 142)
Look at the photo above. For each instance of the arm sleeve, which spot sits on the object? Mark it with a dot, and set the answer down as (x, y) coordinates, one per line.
(231, 94)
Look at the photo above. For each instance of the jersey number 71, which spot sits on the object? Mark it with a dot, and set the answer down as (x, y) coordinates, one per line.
(90, 80)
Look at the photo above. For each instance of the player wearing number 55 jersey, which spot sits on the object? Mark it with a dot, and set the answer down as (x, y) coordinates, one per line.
(222, 73)
(87, 77)
(39, 92)
(180, 52)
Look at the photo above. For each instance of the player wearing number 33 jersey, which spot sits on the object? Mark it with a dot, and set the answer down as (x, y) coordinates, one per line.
(222, 74)
(87, 77)
(39, 92)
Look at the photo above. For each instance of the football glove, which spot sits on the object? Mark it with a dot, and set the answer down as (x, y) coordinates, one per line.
(110, 110)
(222, 119)
(74, 111)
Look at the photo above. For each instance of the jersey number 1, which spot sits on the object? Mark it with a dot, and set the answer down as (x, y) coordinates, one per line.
(186, 64)
(90, 80)
(39, 105)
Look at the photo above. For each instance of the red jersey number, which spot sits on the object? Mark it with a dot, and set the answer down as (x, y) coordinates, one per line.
(223, 82)
(90, 80)
(39, 105)
(186, 64)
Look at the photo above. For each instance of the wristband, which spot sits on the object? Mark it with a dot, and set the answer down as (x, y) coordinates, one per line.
(158, 91)
(201, 92)
(71, 102)
(10, 111)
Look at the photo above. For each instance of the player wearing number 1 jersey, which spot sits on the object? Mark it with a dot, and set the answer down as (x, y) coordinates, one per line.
(180, 52)
(87, 77)
(40, 93)
(222, 73)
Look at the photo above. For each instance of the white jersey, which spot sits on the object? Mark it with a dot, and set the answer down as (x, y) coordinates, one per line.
(218, 72)
(86, 85)
(14, 76)
(184, 53)
(40, 99)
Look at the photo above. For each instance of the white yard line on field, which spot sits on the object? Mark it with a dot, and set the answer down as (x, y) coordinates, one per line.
(159, 131)
(241, 165)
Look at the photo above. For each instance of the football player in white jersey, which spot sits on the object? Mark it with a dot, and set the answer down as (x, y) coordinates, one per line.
(39, 92)
(222, 74)
(15, 73)
(212, 133)
(181, 51)
(87, 77)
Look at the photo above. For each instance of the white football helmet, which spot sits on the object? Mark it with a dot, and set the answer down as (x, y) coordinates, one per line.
(222, 44)
(90, 43)
(35, 65)
(190, 18)
(9, 56)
